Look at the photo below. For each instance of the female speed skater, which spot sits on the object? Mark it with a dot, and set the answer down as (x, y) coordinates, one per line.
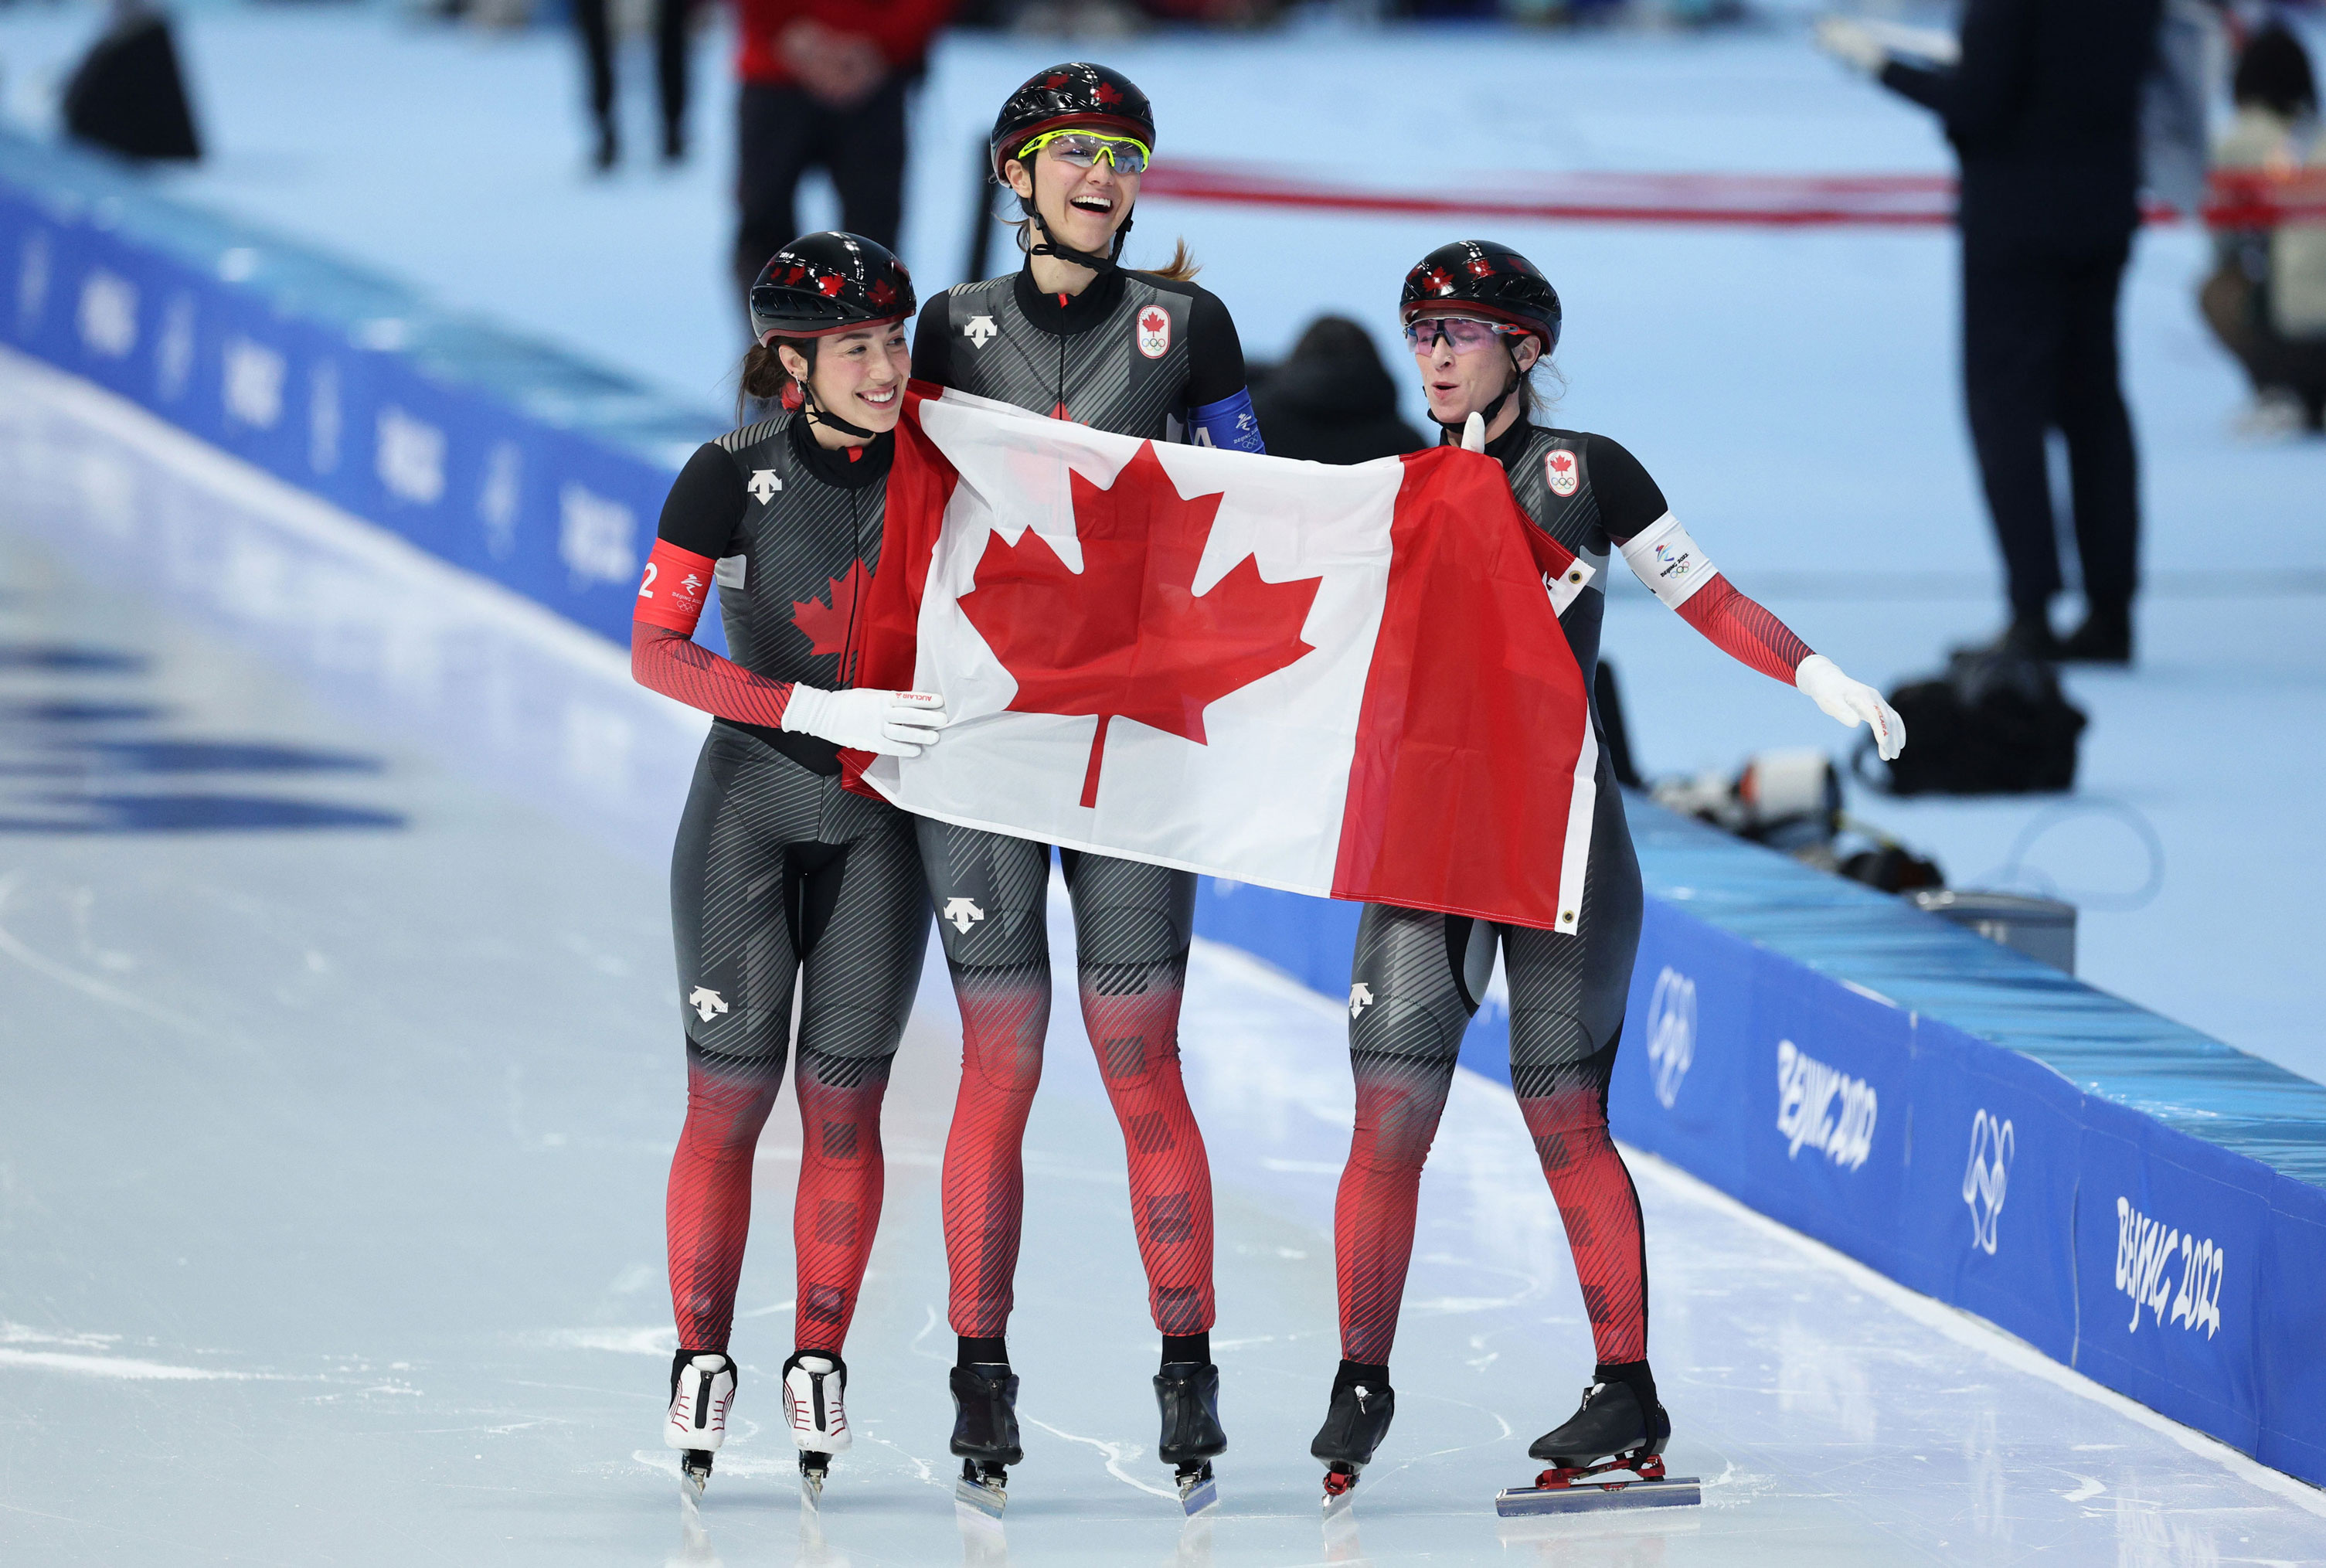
(1478, 318)
(780, 876)
(1075, 335)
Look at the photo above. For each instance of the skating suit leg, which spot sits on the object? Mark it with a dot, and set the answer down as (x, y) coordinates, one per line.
(989, 891)
(1408, 1006)
(773, 864)
(1567, 1016)
(1417, 981)
(864, 919)
(1132, 926)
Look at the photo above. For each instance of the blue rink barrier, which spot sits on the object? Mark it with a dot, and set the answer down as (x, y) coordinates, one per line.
(508, 458)
(2139, 1201)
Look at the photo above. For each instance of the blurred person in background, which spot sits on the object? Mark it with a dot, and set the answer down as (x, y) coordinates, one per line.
(2266, 299)
(670, 18)
(824, 85)
(1332, 401)
(2044, 109)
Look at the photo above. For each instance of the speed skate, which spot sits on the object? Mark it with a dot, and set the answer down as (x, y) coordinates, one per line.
(1617, 1484)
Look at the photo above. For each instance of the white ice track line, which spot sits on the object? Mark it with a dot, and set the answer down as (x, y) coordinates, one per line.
(320, 523)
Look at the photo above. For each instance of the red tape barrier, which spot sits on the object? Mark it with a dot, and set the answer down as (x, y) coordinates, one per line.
(1778, 201)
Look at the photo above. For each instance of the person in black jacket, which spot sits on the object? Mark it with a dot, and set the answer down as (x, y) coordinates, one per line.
(2043, 110)
(1333, 400)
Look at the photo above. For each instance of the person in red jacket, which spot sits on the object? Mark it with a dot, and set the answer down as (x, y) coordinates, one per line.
(824, 87)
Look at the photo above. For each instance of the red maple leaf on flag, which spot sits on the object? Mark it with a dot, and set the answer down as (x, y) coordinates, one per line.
(825, 624)
(1127, 636)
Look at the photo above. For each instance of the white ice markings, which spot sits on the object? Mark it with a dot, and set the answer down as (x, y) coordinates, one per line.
(90, 1356)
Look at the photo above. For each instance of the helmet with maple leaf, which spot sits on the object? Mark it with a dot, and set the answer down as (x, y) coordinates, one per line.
(1077, 93)
(1491, 281)
(828, 282)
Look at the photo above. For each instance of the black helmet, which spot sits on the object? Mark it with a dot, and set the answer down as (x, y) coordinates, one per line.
(827, 283)
(1491, 279)
(1077, 93)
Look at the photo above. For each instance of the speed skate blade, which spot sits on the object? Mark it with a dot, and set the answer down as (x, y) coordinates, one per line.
(1204, 1494)
(1591, 1496)
(979, 1498)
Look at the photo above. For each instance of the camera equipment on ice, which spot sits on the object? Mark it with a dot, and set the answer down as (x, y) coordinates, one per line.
(1995, 723)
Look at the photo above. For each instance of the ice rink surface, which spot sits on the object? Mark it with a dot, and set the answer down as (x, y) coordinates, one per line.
(341, 1082)
(1793, 391)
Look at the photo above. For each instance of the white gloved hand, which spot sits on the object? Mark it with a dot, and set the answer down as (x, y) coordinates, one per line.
(892, 724)
(1474, 432)
(1851, 702)
(1853, 43)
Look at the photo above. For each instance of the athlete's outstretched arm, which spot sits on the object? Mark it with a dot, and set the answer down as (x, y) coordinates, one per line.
(1677, 571)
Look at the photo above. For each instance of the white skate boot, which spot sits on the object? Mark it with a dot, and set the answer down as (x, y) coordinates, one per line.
(814, 1385)
(702, 1387)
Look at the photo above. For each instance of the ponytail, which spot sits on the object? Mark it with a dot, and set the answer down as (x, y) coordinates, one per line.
(1183, 266)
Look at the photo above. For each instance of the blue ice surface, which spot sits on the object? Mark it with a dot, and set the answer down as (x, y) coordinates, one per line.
(1793, 391)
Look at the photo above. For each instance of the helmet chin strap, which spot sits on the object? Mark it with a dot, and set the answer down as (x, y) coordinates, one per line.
(823, 415)
(1491, 411)
(1048, 246)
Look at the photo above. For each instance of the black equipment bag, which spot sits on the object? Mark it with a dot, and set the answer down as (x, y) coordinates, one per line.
(129, 96)
(1995, 724)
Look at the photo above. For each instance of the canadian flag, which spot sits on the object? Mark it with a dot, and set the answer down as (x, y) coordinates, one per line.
(1347, 681)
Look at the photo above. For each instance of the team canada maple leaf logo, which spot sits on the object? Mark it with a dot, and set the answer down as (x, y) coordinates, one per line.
(1128, 637)
(825, 620)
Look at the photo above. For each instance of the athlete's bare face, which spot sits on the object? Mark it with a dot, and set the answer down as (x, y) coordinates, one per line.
(1081, 207)
(1459, 383)
(859, 377)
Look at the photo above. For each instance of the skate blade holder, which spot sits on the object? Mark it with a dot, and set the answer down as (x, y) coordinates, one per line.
(984, 1493)
(1601, 1488)
(1198, 1490)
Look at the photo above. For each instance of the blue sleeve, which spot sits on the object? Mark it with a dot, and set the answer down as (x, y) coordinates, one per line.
(1229, 422)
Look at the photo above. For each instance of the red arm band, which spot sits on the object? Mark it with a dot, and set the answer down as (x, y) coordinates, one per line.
(1744, 629)
(664, 655)
(673, 588)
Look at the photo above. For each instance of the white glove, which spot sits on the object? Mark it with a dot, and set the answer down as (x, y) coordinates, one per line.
(1853, 43)
(892, 724)
(1851, 702)
(1474, 432)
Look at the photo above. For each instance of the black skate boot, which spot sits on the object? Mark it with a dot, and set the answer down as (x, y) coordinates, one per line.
(1612, 1424)
(985, 1434)
(1363, 1405)
(1188, 1393)
(1609, 1453)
